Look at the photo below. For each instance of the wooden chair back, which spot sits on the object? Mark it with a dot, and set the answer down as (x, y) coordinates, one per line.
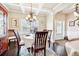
(18, 41)
(40, 40)
(17, 37)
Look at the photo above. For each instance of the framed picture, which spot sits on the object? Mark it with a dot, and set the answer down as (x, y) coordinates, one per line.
(71, 23)
(14, 23)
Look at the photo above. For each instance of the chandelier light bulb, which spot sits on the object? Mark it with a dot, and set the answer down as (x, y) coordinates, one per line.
(28, 16)
(34, 17)
(76, 14)
(31, 16)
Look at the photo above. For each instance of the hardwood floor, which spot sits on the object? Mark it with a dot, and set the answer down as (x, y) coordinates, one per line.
(12, 51)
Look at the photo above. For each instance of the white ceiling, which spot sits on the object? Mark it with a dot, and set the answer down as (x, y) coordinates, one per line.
(40, 8)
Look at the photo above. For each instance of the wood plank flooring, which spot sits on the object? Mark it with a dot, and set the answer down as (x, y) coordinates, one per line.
(12, 51)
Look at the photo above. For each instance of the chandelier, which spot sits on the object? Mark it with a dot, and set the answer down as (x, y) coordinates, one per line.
(76, 13)
(30, 16)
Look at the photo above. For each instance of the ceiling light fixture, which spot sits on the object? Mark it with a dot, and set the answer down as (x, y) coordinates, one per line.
(76, 13)
(30, 16)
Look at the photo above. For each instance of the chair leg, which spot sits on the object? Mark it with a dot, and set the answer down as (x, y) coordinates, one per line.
(34, 53)
(9, 43)
(18, 51)
(45, 52)
(49, 43)
(28, 49)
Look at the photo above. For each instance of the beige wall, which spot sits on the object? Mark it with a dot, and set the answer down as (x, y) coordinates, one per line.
(42, 22)
(52, 25)
(49, 24)
(59, 17)
(18, 16)
(72, 31)
(50, 21)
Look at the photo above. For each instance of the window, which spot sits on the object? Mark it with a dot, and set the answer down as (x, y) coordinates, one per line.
(28, 27)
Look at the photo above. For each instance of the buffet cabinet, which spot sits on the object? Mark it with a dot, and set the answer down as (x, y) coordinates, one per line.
(3, 29)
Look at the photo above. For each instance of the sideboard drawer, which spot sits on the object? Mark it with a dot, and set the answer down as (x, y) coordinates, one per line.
(0, 45)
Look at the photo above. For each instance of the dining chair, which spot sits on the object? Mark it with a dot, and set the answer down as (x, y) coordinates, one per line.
(40, 42)
(11, 36)
(49, 37)
(19, 42)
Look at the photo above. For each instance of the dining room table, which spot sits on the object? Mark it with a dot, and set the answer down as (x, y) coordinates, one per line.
(28, 39)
